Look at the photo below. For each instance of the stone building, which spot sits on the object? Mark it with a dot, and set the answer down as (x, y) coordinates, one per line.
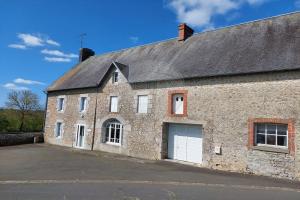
(227, 99)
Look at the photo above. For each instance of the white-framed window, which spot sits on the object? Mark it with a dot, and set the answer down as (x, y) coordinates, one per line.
(115, 77)
(113, 132)
(142, 104)
(60, 104)
(83, 102)
(177, 102)
(267, 134)
(113, 104)
(58, 129)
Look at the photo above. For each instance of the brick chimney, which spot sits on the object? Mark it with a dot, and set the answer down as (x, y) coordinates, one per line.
(184, 32)
(85, 53)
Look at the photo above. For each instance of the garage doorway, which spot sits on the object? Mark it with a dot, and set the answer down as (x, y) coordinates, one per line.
(185, 143)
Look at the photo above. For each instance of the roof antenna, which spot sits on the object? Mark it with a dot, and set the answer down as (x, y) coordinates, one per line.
(82, 35)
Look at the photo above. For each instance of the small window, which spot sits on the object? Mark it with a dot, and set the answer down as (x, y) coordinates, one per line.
(271, 135)
(142, 104)
(58, 129)
(83, 101)
(115, 77)
(178, 101)
(60, 104)
(114, 104)
(113, 132)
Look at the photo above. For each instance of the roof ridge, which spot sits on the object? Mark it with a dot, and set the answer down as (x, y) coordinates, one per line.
(249, 22)
(199, 33)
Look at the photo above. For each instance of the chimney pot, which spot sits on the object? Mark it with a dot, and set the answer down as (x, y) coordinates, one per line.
(184, 32)
(85, 53)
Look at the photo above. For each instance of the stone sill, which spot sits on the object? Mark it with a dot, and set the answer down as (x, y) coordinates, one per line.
(178, 115)
(111, 144)
(270, 149)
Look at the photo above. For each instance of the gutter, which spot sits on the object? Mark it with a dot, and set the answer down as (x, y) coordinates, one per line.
(45, 114)
(95, 119)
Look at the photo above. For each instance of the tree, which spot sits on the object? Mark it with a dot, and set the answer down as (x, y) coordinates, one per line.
(25, 102)
(3, 123)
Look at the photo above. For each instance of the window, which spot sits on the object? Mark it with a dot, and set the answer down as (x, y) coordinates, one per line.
(114, 104)
(83, 101)
(177, 103)
(271, 134)
(115, 77)
(142, 104)
(113, 132)
(60, 104)
(58, 129)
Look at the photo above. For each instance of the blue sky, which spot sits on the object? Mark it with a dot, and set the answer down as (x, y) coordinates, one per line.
(39, 39)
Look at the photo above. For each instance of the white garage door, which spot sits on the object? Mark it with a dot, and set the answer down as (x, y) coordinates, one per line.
(185, 143)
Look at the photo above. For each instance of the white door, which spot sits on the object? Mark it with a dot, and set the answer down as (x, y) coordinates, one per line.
(80, 136)
(185, 143)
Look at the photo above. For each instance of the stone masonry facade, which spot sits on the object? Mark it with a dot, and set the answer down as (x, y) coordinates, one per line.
(223, 106)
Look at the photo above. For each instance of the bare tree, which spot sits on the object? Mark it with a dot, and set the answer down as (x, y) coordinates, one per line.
(24, 101)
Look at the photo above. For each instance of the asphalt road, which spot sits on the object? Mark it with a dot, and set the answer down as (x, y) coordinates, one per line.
(44, 172)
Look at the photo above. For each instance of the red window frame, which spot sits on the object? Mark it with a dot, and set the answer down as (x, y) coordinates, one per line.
(291, 131)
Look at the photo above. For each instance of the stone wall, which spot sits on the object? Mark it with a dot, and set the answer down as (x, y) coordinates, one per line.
(271, 164)
(70, 117)
(9, 139)
(222, 106)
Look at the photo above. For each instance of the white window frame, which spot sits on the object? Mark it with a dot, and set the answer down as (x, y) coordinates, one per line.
(76, 136)
(60, 106)
(115, 77)
(111, 104)
(276, 136)
(60, 129)
(85, 104)
(109, 127)
(140, 108)
(174, 106)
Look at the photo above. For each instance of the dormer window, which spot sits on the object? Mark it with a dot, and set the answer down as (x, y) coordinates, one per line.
(115, 77)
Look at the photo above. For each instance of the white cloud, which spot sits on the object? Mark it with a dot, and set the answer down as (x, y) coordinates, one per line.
(12, 86)
(17, 46)
(28, 82)
(256, 2)
(52, 42)
(58, 53)
(134, 39)
(57, 59)
(199, 13)
(31, 40)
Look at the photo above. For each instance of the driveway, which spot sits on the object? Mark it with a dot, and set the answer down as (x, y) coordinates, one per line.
(51, 172)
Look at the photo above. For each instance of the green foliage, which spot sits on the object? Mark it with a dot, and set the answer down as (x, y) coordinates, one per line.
(3, 123)
(10, 121)
(23, 112)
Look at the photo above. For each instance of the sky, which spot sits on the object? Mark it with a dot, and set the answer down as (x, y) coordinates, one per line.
(40, 39)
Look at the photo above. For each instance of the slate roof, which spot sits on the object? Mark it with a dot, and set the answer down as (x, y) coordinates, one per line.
(261, 46)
